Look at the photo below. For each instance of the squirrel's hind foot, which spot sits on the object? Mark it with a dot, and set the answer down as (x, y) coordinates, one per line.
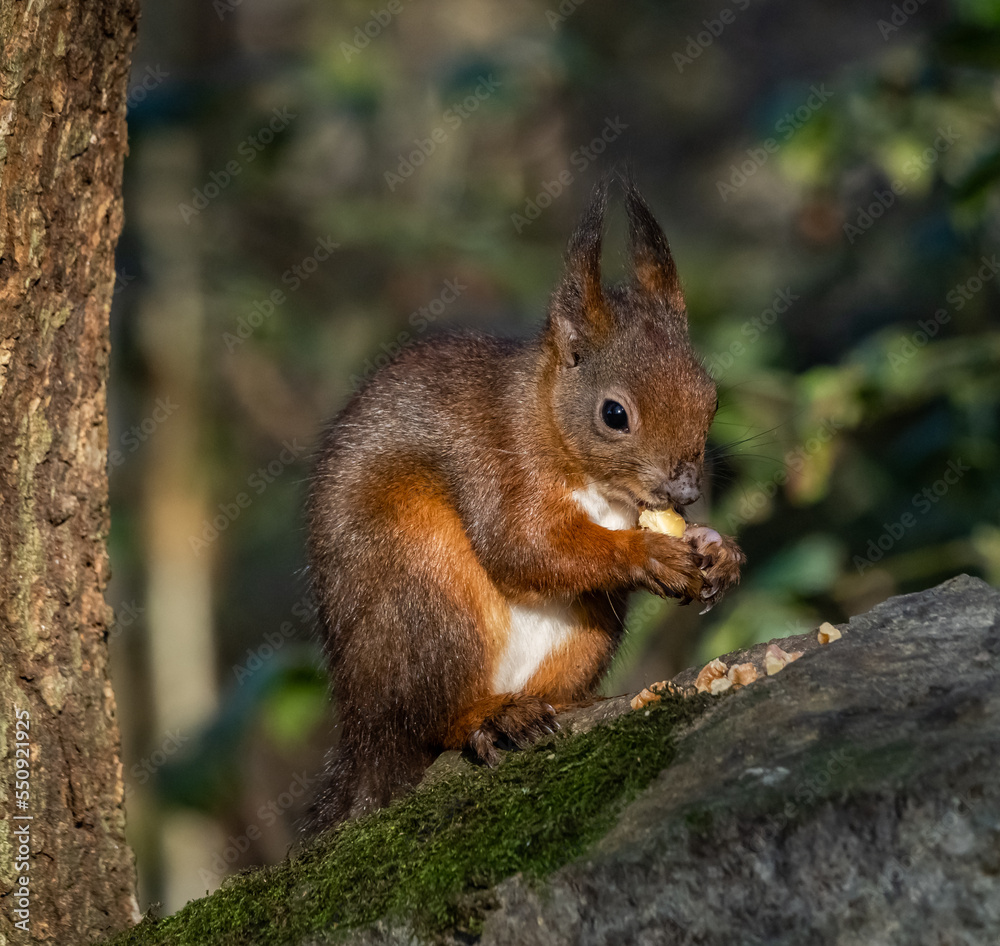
(507, 721)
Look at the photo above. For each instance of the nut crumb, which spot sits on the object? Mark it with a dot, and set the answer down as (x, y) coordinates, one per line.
(775, 659)
(828, 633)
(741, 675)
(713, 670)
(719, 685)
(641, 699)
(654, 692)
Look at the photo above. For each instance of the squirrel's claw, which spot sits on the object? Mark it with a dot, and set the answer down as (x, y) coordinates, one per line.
(516, 721)
(723, 559)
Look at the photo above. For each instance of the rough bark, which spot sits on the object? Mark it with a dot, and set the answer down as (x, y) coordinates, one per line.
(63, 80)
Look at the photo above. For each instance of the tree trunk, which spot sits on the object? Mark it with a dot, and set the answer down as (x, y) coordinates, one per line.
(63, 78)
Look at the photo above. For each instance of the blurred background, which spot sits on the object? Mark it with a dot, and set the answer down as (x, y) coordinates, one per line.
(312, 186)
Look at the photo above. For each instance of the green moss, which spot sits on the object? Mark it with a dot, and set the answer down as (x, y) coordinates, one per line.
(432, 857)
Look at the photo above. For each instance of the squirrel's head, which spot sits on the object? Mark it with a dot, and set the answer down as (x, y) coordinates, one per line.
(630, 399)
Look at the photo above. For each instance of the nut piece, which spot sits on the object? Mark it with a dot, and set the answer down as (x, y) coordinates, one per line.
(742, 674)
(775, 659)
(652, 694)
(641, 699)
(827, 633)
(666, 521)
(719, 685)
(713, 670)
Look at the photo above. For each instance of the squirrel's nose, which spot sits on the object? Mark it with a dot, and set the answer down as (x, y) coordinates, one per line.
(682, 487)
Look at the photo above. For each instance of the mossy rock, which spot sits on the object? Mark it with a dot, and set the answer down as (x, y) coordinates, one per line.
(852, 798)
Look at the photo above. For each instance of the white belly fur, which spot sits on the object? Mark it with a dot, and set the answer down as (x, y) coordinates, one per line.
(537, 630)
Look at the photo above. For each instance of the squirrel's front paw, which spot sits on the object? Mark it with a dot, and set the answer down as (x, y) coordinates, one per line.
(722, 559)
(673, 569)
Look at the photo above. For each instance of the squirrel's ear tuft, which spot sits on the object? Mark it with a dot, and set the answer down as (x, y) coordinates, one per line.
(579, 316)
(652, 262)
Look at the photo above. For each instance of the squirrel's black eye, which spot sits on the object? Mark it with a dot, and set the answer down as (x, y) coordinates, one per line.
(614, 415)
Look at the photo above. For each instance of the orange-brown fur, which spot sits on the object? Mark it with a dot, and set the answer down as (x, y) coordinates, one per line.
(572, 671)
(464, 592)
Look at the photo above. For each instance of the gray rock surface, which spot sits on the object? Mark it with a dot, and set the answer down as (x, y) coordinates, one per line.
(851, 799)
(854, 798)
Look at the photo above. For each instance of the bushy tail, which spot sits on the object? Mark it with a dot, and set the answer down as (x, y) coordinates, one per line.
(361, 778)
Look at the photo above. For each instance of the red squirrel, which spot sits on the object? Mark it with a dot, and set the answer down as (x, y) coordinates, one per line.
(473, 518)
